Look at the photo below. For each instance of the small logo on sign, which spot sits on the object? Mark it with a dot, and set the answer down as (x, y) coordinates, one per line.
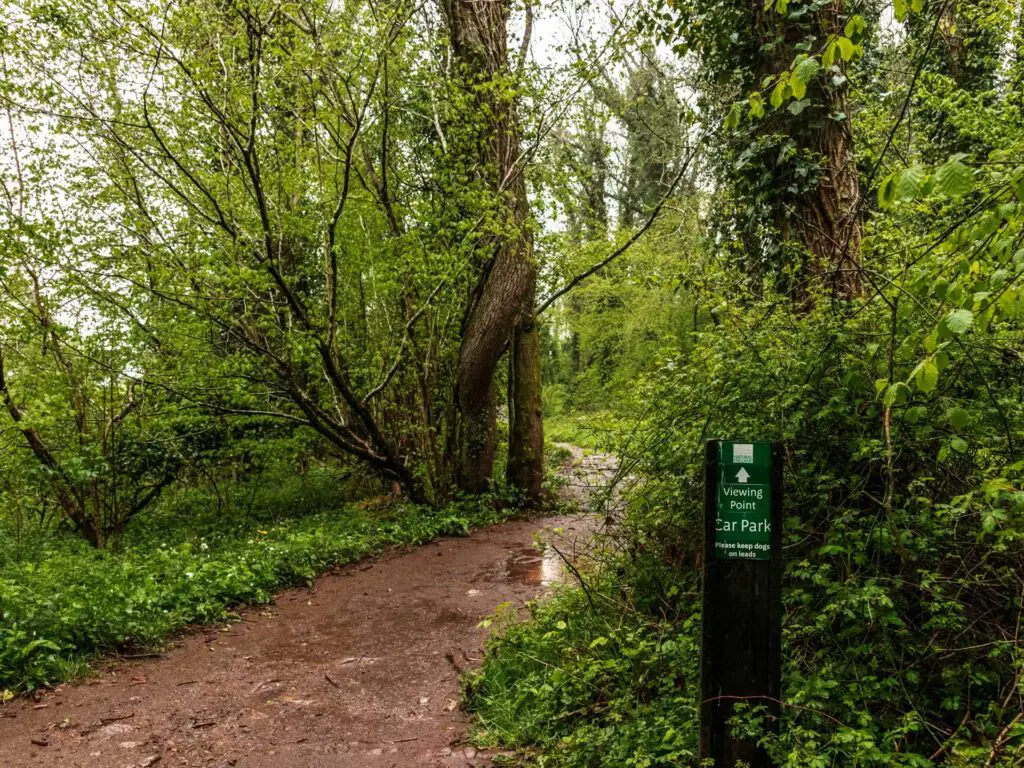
(742, 453)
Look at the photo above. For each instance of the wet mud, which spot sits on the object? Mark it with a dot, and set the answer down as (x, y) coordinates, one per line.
(360, 671)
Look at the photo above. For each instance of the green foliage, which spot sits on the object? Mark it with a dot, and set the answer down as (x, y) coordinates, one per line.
(952, 179)
(903, 557)
(248, 238)
(284, 223)
(892, 550)
(902, 420)
(610, 330)
(591, 685)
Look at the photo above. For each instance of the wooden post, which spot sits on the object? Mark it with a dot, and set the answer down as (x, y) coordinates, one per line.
(742, 618)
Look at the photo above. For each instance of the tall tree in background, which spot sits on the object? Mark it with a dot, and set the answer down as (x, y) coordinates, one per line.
(966, 52)
(654, 120)
(797, 175)
(586, 154)
(500, 313)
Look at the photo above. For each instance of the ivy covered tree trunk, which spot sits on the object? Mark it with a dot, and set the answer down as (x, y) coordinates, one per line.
(824, 219)
(525, 468)
(830, 220)
(504, 293)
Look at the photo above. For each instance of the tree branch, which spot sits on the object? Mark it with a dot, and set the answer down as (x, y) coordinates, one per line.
(524, 47)
(655, 213)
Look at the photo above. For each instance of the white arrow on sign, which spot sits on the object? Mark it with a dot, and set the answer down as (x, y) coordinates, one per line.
(742, 475)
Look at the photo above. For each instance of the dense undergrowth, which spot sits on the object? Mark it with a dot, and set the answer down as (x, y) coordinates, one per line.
(188, 562)
(904, 554)
(589, 680)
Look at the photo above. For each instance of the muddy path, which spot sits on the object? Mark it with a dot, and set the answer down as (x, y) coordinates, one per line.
(359, 671)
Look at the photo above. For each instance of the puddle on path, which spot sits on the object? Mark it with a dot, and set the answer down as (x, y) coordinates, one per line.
(532, 566)
(543, 563)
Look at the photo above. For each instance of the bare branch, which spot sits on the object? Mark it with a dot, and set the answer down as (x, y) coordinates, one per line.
(524, 47)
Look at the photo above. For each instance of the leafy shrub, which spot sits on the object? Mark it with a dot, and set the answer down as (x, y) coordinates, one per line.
(904, 552)
(589, 684)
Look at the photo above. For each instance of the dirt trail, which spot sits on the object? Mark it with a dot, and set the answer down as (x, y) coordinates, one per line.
(360, 671)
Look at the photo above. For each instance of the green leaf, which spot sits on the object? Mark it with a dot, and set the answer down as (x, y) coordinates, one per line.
(828, 58)
(953, 179)
(916, 414)
(958, 417)
(778, 94)
(959, 321)
(927, 375)
(908, 182)
(732, 120)
(854, 28)
(887, 191)
(756, 106)
(955, 294)
(890, 395)
(799, 88)
(899, 10)
(896, 393)
(1018, 187)
(1011, 305)
(806, 70)
(846, 48)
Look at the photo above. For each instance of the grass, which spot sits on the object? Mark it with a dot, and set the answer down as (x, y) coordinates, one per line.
(63, 603)
(593, 431)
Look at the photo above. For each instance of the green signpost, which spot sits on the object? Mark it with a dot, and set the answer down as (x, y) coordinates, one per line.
(742, 619)
(743, 506)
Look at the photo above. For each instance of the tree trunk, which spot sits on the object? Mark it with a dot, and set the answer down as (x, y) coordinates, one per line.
(827, 217)
(525, 469)
(505, 290)
(830, 220)
(477, 434)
